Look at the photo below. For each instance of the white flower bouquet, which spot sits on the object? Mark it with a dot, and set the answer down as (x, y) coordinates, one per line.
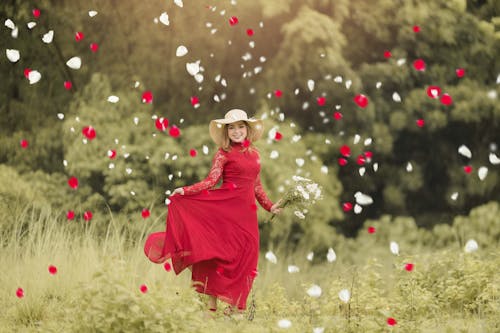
(301, 194)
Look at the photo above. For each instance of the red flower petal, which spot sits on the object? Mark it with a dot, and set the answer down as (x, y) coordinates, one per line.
(87, 216)
(174, 131)
(36, 12)
(347, 206)
(20, 293)
(342, 161)
(94, 47)
(460, 72)
(409, 267)
(345, 151)
(468, 169)
(195, 100)
(387, 54)
(419, 65)
(167, 267)
(368, 154)
(111, 154)
(371, 230)
(143, 288)
(361, 100)
(68, 85)
(391, 321)
(433, 91)
(246, 143)
(321, 101)
(278, 93)
(361, 160)
(24, 144)
(147, 97)
(416, 28)
(278, 136)
(79, 36)
(27, 72)
(446, 99)
(193, 152)
(161, 124)
(52, 269)
(89, 132)
(145, 213)
(420, 122)
(337, 115)
(250, 32)
(70, 214)
(233, 20)
(254, 273)
(73, 182)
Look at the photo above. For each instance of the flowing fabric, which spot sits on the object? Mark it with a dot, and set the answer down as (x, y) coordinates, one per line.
(215, 231)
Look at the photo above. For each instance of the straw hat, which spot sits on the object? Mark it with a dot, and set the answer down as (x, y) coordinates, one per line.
(217, 125)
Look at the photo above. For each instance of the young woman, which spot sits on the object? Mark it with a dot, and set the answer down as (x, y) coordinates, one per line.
(215, 232)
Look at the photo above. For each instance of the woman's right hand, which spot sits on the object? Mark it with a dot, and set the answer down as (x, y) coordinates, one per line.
(178, 190)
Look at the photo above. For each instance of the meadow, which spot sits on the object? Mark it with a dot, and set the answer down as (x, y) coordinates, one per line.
(77, 277)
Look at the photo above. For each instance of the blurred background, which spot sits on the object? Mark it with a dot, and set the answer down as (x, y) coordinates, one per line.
(397, 100)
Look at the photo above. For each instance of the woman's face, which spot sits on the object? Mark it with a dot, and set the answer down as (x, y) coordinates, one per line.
(237, 131)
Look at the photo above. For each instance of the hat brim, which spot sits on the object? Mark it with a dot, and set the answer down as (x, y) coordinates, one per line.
(216, 128)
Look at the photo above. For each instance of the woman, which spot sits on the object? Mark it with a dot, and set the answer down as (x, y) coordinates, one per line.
(214, 232)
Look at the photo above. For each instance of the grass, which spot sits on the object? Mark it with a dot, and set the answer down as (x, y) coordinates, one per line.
(96, 287)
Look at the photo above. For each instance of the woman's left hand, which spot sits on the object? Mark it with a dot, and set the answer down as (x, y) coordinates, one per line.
(276, 209)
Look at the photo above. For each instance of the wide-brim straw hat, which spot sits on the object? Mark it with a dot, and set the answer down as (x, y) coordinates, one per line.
(217, 127)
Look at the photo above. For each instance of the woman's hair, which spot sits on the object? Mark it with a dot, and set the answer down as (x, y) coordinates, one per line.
(226, 142)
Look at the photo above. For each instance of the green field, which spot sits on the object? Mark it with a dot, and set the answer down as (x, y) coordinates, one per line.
(97, 284)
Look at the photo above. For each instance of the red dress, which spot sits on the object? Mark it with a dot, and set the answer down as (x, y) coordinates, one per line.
(215, 231)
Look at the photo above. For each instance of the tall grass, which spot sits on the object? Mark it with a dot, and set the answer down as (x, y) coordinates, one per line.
(99, 274)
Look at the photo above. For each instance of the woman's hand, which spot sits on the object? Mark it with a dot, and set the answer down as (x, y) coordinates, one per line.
(178, 190)
(276, 209)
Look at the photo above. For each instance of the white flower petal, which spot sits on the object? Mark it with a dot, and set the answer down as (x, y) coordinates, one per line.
(271, 257)
(31, 25)
(465, 151)
(179, 3)
(345, 295)
(314, 291)
(331, 256)
(274, 155)
(471, 246)
(34, 77)
(13, 55)
(92, 13)
(199, 78)
(357, 209)
(318, 329)
(193, 68)
(494, 159)
(113, 99)
(10, 24)
(363, 199)
(310, 256)
(284, 323)
(15, 32)
(482, 172)
(310, 85)
(48, 37)
(300, 162)
(74, 63)
(396, 97)
(181, 51)
(409, 167)
(164, 18)
(205, 149)
(394, 248)
(293, 269)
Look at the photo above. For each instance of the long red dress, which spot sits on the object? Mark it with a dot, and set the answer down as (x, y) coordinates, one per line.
(215, 231)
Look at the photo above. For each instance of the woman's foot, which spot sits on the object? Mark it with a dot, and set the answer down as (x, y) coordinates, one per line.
(231, 312)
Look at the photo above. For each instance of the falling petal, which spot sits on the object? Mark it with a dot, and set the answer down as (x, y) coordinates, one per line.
(394, 248)
(271, 257)
(331, 256)
(113, 99)
(310, 85)
(299, 161)
(179, 3)
(74, 63)
(314, 291)
(274, 154)
(284, 323)
(363, 199)
(181, 51)
(10, 24)
(465, 151)
(193, 68)
(345, 295)
(471, 246)
(13, 55)
(362, 171)
(48, 37)
(310, 256)
(454, 196)
(482, 172)
(396, 97)
(357, 209)
(318, 330)
(31, 25)
(34, 77)
(293, 269)
(92, 13)
(409, 167)
(164, 18)
(494, 159)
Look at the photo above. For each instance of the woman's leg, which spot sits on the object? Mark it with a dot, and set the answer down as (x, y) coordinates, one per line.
(212, 303)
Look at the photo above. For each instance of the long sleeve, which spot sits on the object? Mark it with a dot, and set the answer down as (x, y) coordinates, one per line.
(261, 195)
(213, 177)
